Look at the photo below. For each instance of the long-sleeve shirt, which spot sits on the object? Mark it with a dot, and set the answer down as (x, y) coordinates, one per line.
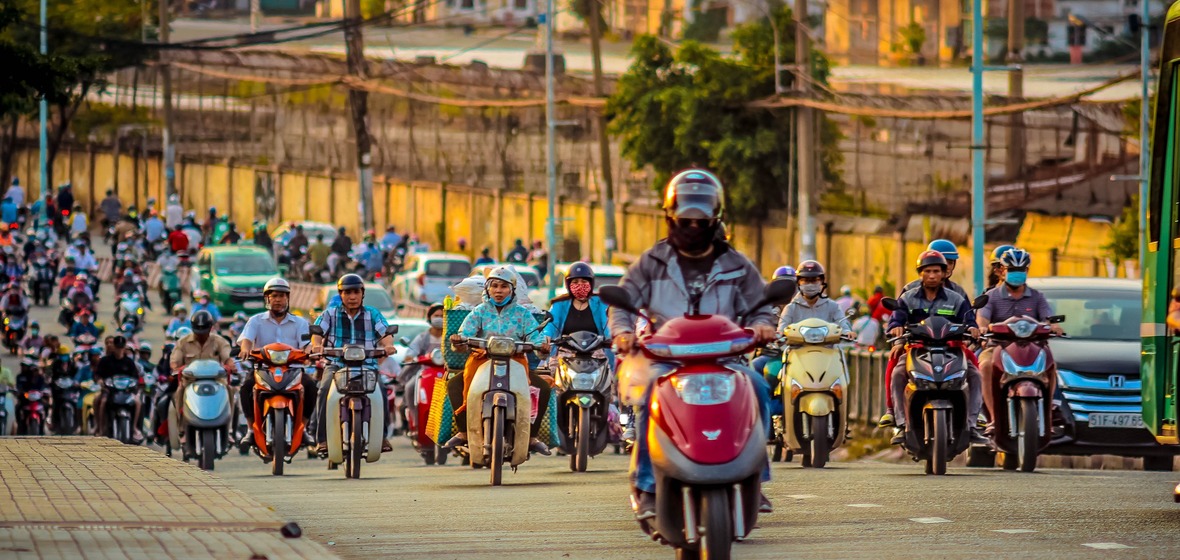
(800, 309)
(512, 320)
(913, 306)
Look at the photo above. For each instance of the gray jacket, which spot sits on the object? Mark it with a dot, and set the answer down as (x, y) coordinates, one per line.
(824, 308)
(656, 285)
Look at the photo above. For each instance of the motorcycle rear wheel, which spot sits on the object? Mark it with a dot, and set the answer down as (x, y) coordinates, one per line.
(497, 464)
(716, 518)
(278, 446)
(1028, 440)
(123, 430)
(940, 439)
(820, 446)
(208, 449)
(356, 447)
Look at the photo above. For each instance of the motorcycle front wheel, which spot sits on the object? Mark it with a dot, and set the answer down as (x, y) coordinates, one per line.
(497, 463)
(356, 447)
(939, 441)
(717, 519)
(820, 446)
(1028, 440)
(278, 438)
(208, 449)
(581, 455)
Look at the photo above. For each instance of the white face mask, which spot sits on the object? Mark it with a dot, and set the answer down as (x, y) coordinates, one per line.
(811, 290)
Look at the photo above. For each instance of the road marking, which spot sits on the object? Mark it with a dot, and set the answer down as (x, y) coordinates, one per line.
(864, 505)
(1013, 531)
(802, 496)
(930, 520)
(1107, 545)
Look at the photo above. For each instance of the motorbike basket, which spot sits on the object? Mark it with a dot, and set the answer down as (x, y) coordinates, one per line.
(353, 380)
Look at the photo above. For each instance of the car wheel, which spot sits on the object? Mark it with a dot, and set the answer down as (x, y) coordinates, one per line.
(1158, 464)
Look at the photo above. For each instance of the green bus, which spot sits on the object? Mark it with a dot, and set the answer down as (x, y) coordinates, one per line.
(1161, 346)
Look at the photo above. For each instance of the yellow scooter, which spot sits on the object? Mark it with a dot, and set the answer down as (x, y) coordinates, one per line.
(813, 386)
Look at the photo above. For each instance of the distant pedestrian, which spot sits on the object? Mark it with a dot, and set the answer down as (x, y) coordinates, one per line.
(16, 193)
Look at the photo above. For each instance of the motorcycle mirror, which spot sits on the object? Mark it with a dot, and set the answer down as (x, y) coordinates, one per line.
(305, 337)
(778, 292)
(316, 330)
(889, 303)
(403, 341)
(980, 302)
(1057, 319)
(616, 296)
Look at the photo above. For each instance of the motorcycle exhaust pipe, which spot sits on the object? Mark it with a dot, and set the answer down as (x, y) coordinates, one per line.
(691, 532)
(1012, 419)
(739, 513)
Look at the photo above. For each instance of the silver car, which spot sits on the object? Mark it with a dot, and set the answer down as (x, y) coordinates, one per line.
(427, 277)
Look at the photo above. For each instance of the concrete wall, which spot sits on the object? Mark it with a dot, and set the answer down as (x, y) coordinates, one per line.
(442, 214)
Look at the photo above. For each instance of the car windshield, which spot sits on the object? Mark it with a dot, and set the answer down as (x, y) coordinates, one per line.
(530, 278)
(1092, 315)
(244, 263)
(452, 269)
(377, 299)
(411, 330)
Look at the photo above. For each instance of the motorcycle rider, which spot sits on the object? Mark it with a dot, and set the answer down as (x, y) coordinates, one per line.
(811, 302)
(118, 362)
(83, 324)
(145, 358)
(298, 241)
(203, 303)
(580, 309)
(262, 237)
(500, 314)
(352, 322)
(177, 241)
(28, 379)
(15, 300)
(518, 253)
(692, 267)
(276, 324)
(112, 209)
(996, 273)
(317, 255)
(200, 345)
(231, 237)
(239, 323)
(485, 257)
(179, 320)
(33, 340)
(341, 246)
(173, 212)
(429, 340)
(933, 297)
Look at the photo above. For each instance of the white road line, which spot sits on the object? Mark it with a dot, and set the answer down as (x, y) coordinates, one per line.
(1107, 545)
(864, 505)
(802, 496)
(1013, 531)
(930, 520)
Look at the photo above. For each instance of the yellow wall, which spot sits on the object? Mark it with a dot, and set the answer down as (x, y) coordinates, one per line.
(487, 219)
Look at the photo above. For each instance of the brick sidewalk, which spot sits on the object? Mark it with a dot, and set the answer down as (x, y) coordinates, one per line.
(96, 498)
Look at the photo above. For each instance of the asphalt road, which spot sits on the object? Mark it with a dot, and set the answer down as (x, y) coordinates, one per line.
(403, 508)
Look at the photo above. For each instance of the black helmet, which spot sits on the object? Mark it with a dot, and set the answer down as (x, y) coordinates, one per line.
(810, 269)
(694, 194)
(350, 282)
(929, 258)
(202, 322)
(579, 270)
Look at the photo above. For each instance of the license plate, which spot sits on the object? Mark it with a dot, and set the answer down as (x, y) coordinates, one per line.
(1112, 420)
(254, 304)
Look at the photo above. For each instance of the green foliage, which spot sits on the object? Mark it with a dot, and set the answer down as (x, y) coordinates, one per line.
(706, 25)
(674, 110)
(1123, 240)
(913, 36)
(581, 9)
(27, 75)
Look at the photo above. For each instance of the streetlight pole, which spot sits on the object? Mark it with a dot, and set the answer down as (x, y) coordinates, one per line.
(1144, 133)
(551, 148)
(978, 178)
(43, 109)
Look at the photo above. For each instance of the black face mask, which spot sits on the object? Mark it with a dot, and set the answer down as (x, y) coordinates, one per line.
(691, 239)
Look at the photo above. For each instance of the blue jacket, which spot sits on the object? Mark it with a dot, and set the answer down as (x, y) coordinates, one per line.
(561, 310)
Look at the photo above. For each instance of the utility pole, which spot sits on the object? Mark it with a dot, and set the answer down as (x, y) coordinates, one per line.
(255, 13)
(608, 182)
(166, 85)
(550, 147)
(1016, 151)
(43, 109)
(1144, 120)
(358, 100)
(806, 140)
(978, 145)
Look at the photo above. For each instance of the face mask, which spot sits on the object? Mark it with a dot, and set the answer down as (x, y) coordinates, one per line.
(436, 322)
(811, 290)
(1016, 279)
(580, 291)
(691, 239)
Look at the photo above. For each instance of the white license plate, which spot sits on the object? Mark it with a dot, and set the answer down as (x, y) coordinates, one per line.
(254, 304)
(1113, 420)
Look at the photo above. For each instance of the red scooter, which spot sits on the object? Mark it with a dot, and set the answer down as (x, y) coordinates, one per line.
(707, 441)
(419, 391)
(1023, 375)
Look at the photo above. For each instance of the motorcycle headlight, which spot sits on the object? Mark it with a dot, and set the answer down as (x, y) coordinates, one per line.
(124, 383)
(353, 353)
(501, 346)
(65, 382)
(813, 335)
(584, 381)
(704, 389)
(436, 358)
(278, 357)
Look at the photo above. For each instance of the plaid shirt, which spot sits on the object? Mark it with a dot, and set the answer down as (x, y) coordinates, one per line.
(365, 329)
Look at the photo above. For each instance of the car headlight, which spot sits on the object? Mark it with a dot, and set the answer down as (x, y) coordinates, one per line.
(278, 357)
(813, 335)
(223, 289)
(704, 389)
(1011, 368)
(501, 346)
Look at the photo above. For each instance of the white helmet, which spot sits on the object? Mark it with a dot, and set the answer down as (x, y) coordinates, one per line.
(276, 285)
(846, 290)
(503, 273)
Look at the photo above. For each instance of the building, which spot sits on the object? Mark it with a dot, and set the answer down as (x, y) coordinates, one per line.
(877, 31)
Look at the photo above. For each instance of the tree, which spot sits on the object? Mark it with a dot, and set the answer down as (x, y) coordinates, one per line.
(90, 39)
(674, 110)
(1123, 240)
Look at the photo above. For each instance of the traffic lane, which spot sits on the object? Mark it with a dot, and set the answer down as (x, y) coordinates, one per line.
(850, 510)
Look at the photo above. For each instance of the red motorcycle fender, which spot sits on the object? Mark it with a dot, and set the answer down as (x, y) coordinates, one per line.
(1025, 389)
(696, 430)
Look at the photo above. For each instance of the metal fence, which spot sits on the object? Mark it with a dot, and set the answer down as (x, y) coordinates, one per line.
(865, 396)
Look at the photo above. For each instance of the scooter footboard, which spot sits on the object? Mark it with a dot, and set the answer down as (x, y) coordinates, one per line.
(667, 458)
(376, 424)
(335, 438)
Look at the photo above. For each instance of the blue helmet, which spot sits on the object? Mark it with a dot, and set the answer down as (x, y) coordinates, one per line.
(1015, 258)
(786, 271)
(999, 252)
(945, 247)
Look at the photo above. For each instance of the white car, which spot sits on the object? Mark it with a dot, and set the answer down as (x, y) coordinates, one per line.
(427, 278)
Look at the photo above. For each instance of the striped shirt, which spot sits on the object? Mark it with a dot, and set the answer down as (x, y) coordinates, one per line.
(1001, 305)
(364, 329)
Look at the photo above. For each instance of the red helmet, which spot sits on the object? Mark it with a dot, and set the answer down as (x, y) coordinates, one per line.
(930, 258)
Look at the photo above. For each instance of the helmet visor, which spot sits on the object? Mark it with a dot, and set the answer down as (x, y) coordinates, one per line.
(696, 205)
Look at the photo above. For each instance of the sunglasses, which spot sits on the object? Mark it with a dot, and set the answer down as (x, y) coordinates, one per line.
(694, 222)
